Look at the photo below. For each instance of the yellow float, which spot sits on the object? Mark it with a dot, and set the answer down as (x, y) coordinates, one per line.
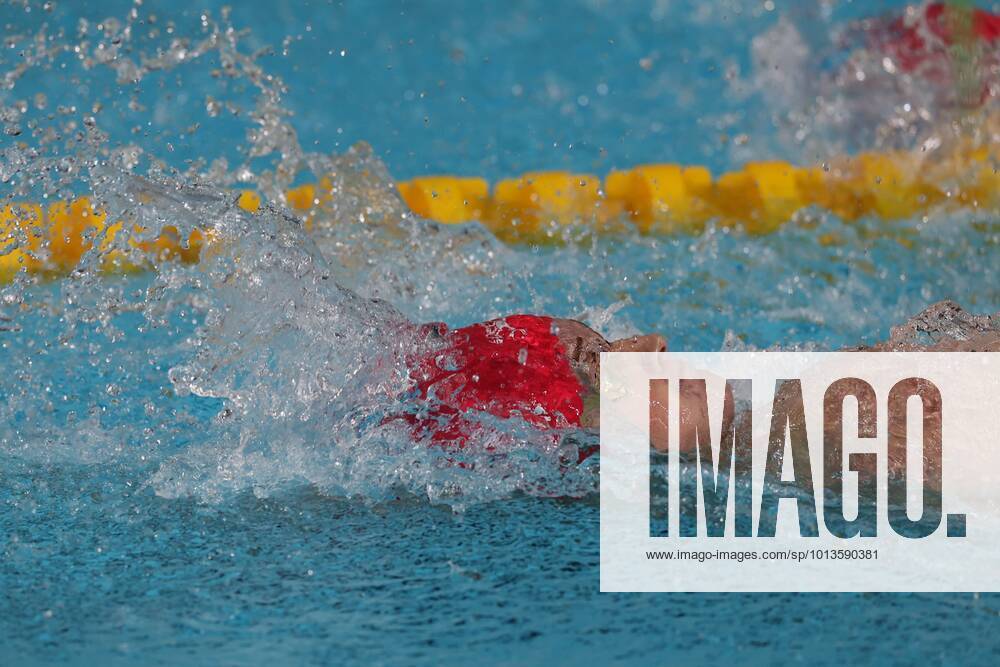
(656, 199)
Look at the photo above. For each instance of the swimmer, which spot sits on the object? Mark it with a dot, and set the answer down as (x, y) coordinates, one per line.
(884, 81)
(922, 40)
(543, 370)
(546, 371)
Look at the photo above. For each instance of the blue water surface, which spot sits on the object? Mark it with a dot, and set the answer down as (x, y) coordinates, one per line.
(98, 566)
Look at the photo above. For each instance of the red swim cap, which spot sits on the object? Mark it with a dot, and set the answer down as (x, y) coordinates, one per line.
(509, 367)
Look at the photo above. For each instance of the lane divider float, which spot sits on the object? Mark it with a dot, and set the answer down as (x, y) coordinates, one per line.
(533, 208)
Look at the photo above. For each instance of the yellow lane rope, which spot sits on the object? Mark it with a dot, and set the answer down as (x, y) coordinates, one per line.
(656, 199)
(667, 198)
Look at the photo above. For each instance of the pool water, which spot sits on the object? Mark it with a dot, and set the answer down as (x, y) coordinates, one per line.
(195, 466)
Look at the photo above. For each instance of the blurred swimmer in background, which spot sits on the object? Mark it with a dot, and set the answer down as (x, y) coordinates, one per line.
(882, 82)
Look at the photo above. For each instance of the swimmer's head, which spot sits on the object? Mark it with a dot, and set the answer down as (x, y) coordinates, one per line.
(583, 346)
